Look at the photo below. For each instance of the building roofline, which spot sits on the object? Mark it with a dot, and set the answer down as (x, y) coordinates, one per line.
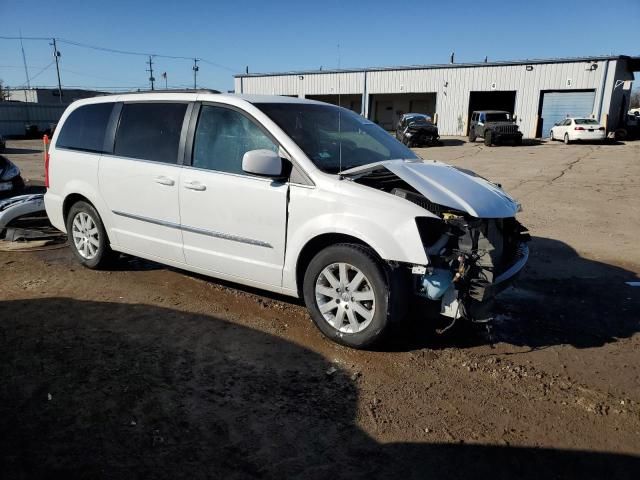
(502, 63)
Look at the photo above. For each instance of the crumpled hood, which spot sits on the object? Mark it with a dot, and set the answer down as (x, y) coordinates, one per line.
(449, 186)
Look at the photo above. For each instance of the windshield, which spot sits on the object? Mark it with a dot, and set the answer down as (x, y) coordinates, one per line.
(334, 138)
(586, 121)
(498, 117)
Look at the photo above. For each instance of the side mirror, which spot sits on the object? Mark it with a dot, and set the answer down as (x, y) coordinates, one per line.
(265, 163)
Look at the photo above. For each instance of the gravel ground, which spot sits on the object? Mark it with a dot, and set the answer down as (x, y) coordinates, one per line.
(147, 372)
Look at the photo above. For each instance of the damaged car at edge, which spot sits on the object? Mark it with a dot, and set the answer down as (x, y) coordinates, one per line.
(11, 182)
(417, 130)
(289, 195)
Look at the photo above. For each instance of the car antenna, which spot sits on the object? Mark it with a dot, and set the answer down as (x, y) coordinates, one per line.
(339, 119)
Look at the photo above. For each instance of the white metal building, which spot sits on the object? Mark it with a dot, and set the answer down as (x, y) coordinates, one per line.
(537, 92)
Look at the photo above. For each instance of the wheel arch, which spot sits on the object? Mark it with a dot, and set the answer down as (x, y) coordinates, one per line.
(71, 200)
(319, 243)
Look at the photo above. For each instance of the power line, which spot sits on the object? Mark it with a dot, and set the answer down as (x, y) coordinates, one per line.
(4, 37)
(121, 52)
(142, 54)
(20, 66)
(41, 71)
(98, 77)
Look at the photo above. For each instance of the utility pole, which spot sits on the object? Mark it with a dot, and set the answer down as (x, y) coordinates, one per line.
(56, 55)
(150, 70)
(24, 61)
(195, 73)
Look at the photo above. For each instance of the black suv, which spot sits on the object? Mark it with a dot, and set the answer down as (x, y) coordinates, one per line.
(417, 129)
(495, 126)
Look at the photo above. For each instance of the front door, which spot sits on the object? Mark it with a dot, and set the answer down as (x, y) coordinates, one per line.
(139, 182)
(233, 223)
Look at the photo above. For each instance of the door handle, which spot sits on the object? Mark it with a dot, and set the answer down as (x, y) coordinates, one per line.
(162, 180)
(195, 186)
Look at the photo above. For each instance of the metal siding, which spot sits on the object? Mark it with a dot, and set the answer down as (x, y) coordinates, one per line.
(14, 116)
(453, 100)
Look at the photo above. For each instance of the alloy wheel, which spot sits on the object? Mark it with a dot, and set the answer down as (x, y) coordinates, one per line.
(86, 237)
(345, 297)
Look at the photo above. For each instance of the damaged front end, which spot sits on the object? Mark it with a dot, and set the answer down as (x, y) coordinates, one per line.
(474, 244)
(471, 261)
(416, 135)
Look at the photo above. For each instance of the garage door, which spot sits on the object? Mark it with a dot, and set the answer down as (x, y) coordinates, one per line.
(557, 106)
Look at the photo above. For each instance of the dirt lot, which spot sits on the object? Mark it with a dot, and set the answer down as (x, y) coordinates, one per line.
(148, 372)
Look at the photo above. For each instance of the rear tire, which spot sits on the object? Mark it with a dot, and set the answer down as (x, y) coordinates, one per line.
(346, 291)
(472, 136)
(87, 237)
(488, 138)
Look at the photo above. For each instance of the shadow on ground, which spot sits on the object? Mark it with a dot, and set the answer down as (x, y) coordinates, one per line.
(561, 298)
(103, 390)
(451, 142)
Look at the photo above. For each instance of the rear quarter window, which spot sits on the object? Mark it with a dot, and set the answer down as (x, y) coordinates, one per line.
(85, 127)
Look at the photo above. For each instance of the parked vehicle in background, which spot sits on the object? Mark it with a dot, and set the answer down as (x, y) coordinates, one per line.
(416, 130)
(495, 127)
(578, 129)
(11, 182)
(289, 195)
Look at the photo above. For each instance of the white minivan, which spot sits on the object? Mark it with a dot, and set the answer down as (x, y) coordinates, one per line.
(289, 195)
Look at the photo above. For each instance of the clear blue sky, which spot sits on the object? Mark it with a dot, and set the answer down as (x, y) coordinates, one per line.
(291, 35)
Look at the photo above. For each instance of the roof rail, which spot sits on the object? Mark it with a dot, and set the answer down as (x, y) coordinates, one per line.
(170, 90)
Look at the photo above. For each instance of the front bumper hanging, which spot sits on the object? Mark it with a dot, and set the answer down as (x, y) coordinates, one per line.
(445, 285)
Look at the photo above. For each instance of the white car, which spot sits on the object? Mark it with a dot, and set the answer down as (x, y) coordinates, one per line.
(573, 129)
(293, 196)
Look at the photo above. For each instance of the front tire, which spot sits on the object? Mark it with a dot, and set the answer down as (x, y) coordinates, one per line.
(346, 291)
(488, 138)
(566, 139)
(87, 236)
(472, 136)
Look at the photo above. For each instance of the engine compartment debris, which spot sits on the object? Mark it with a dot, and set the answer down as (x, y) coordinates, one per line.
(471, 259)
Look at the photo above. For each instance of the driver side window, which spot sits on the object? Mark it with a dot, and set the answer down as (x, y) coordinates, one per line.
(222, 138)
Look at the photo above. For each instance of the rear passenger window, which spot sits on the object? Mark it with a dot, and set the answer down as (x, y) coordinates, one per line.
(150, 131)
(85, 127)
(222, 138)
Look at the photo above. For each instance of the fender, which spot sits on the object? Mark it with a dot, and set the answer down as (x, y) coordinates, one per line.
(387, 226)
